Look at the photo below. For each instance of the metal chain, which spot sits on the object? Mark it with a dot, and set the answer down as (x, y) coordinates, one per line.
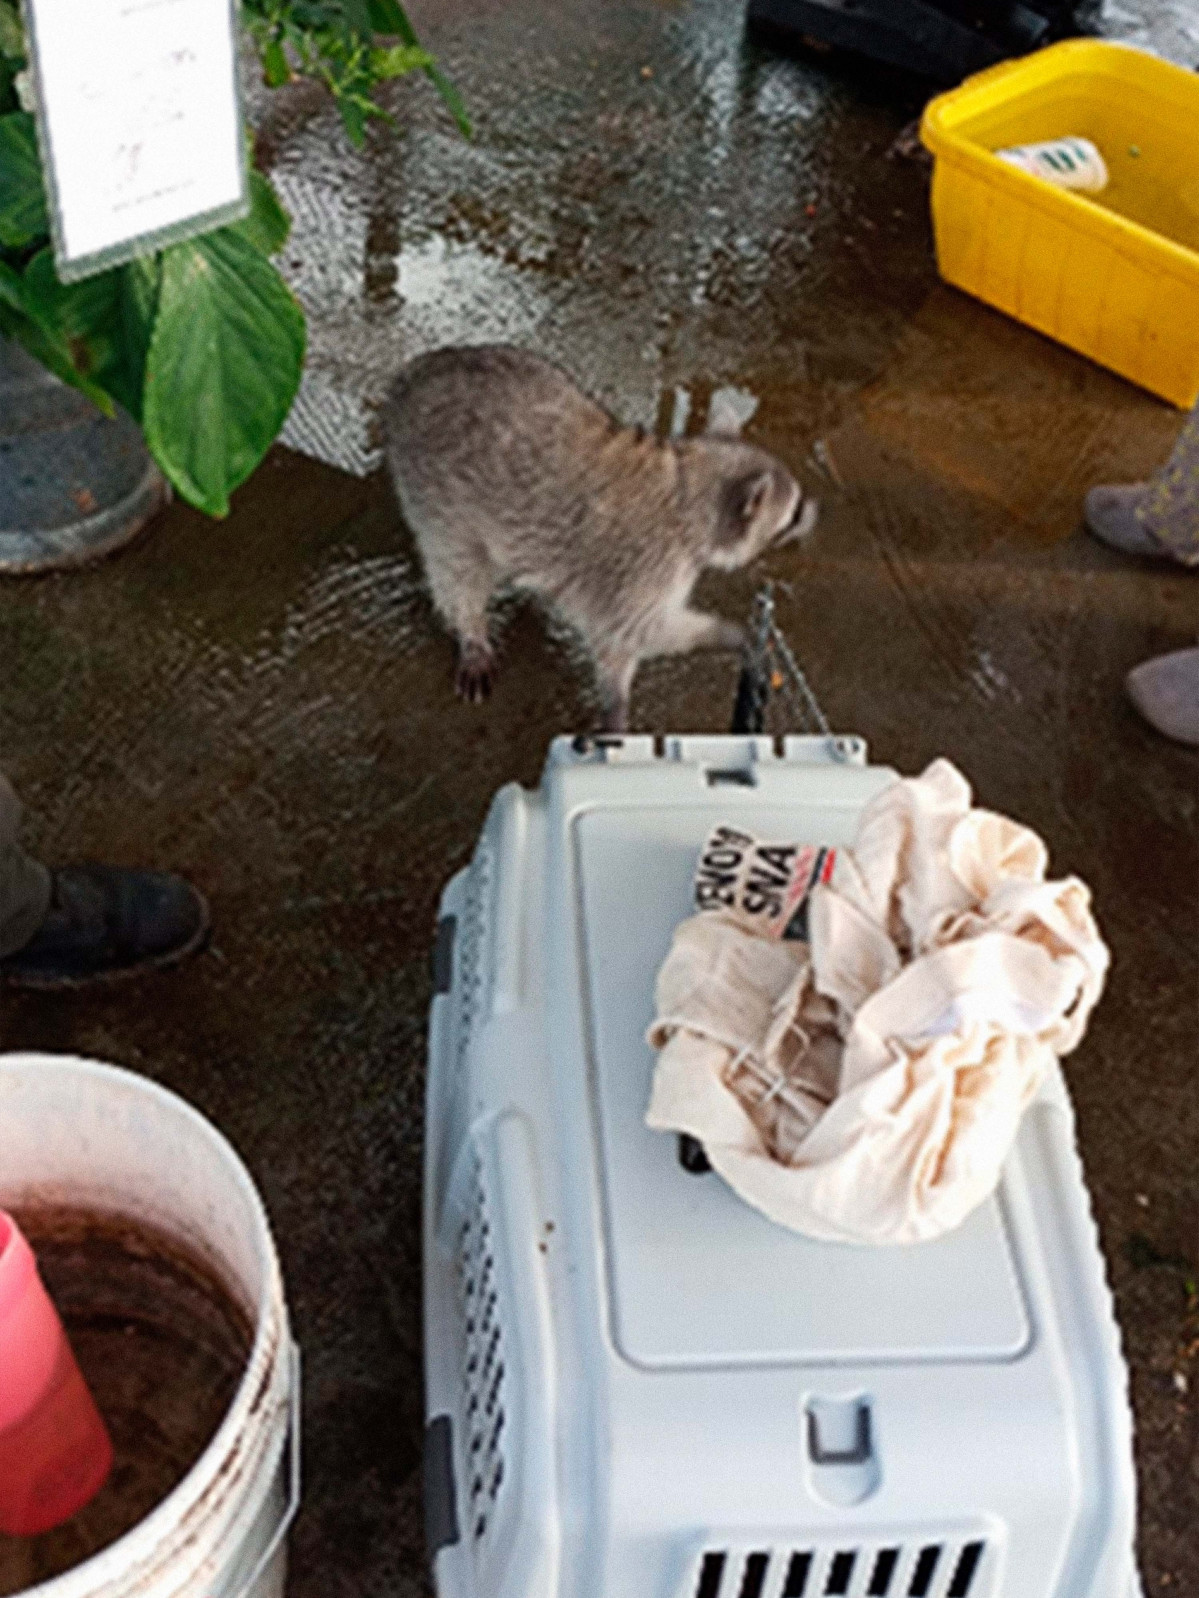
(773, 668)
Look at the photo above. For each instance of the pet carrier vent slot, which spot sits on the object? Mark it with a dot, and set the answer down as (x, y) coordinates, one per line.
(881, 1575)
(470, 948)
(926, 1567)
(797, 1575)
(754, 1578)
(948, 1569)
(482, 1360)
(840, 1573)
(967, 1567)
(711, 1574)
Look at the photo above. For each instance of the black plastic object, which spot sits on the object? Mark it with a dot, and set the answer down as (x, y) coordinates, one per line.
(691, 1155)
(441, 1509)
(441, 959)
(749, 710)
(944, 40)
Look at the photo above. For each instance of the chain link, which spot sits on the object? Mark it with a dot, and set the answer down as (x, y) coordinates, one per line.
(773, 669)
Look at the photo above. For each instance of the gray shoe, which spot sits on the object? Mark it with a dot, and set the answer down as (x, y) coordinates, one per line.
(1111, 515)
(106, 922)
(1166, 692)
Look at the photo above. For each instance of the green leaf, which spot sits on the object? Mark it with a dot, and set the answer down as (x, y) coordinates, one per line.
(12, 291)
(26, 322)
(388, 17)
(12, 35)
(268, 224)
(124, 373)
(82, 314)
(353, 118)
(105, 321)
(22, 198)
(397, 59)
(333, 42)
(452, 100)
(275, 67)
(223, 366)
(358, 17)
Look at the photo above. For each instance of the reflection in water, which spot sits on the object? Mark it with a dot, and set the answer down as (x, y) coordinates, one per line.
(455, 293)
(690, 213)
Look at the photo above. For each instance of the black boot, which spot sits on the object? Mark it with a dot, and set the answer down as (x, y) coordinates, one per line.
(105, 922)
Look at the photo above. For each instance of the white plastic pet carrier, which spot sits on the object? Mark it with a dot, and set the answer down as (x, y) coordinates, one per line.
(637, 1386)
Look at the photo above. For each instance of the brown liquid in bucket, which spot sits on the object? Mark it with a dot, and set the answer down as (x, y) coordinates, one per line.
(162, 1346)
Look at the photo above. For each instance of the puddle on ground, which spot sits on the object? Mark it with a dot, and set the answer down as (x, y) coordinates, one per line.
(162, 1347)
(650, 172)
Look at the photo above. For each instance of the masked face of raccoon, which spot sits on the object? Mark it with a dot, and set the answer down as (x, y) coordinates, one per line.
(760, 508)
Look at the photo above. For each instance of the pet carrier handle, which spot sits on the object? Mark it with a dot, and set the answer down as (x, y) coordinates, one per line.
(855, 1451)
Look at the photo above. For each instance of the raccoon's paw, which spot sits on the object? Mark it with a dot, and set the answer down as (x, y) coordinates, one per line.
(477, 668)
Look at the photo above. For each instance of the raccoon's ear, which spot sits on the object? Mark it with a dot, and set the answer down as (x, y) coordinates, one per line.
(741, 501)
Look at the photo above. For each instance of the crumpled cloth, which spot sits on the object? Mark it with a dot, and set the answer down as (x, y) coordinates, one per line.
(866, 1086)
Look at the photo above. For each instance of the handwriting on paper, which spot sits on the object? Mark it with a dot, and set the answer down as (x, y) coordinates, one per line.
(140, 121)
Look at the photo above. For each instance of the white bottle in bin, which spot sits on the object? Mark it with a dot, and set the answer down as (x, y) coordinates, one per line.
(1070, 163)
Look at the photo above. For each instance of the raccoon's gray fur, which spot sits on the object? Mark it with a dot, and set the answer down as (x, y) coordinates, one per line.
(510, 477)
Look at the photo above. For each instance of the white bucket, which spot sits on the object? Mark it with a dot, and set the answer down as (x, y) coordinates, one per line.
(73, 1132)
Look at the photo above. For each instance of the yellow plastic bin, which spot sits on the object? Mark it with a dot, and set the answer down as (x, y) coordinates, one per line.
(1114, 275)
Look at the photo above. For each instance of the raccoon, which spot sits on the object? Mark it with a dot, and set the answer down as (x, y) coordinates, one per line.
(510, 477)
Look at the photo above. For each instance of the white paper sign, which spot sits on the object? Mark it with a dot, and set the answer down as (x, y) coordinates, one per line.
(140, 124)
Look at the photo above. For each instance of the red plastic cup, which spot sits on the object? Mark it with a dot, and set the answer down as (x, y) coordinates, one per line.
(55, 1452)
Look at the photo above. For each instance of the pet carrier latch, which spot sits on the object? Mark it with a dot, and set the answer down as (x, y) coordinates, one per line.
(839, 1431)
(441, 1509)
(441, 960)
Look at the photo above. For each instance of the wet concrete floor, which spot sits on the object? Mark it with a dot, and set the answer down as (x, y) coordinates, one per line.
(266, 703)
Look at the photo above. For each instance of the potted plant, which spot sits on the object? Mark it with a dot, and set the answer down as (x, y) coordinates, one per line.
(200, 344)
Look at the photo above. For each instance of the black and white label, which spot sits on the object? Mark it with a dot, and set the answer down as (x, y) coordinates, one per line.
(764, 884)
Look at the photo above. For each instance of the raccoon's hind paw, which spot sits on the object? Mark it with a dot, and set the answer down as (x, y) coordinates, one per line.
(477, 668)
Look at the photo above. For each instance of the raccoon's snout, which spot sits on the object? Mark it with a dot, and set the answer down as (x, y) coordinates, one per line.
(807, 513)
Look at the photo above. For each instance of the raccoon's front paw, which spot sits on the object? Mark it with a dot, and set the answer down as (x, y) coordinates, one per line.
(476, 672)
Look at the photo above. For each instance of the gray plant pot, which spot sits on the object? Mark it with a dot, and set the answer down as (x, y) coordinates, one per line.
(74, 485)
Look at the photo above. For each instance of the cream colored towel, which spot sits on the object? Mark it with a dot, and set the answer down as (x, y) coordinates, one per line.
(866, 1087)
